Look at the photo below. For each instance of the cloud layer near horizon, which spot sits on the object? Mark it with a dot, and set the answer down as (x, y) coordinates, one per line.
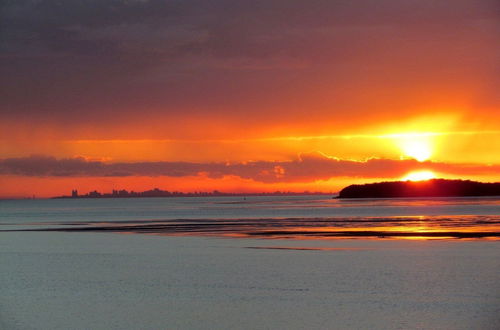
(307, 168)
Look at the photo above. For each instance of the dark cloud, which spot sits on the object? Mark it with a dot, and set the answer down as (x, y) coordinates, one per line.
(307, 168)
(92, 61)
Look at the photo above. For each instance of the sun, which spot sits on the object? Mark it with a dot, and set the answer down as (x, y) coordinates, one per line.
(419, 150)
(416, 145)
(419, 176)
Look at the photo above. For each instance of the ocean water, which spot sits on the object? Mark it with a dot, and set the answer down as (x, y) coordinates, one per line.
(111, 209)
(261, 215)
(295, 262)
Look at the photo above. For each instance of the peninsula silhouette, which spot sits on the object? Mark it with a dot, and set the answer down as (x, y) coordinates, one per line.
(427, 188)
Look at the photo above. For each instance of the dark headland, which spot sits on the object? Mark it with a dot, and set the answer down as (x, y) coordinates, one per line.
(427, 188)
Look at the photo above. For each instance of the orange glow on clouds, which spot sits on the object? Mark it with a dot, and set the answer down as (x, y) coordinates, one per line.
(466, 152)
(474, 147)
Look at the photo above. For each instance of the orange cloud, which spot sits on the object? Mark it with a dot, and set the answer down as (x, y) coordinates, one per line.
(309, 167)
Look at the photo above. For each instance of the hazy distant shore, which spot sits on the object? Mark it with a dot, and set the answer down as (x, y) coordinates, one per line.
(165, 193)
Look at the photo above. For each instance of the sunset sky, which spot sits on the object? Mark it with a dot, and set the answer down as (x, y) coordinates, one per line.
(245, 96)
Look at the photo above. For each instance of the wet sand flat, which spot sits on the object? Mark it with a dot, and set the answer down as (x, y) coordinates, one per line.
(430, 227)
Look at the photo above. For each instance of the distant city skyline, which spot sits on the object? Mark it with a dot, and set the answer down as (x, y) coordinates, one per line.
(157, 192)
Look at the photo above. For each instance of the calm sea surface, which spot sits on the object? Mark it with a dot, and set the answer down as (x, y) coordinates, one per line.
(271, 216)
(73, 263)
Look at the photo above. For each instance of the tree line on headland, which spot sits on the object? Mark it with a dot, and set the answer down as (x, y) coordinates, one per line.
(427, 188)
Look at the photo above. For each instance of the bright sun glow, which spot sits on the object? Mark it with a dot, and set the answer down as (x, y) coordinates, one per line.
(418, 146)
(419, 176)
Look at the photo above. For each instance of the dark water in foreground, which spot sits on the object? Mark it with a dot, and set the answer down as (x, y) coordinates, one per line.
(64, 267)
(270, 216)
